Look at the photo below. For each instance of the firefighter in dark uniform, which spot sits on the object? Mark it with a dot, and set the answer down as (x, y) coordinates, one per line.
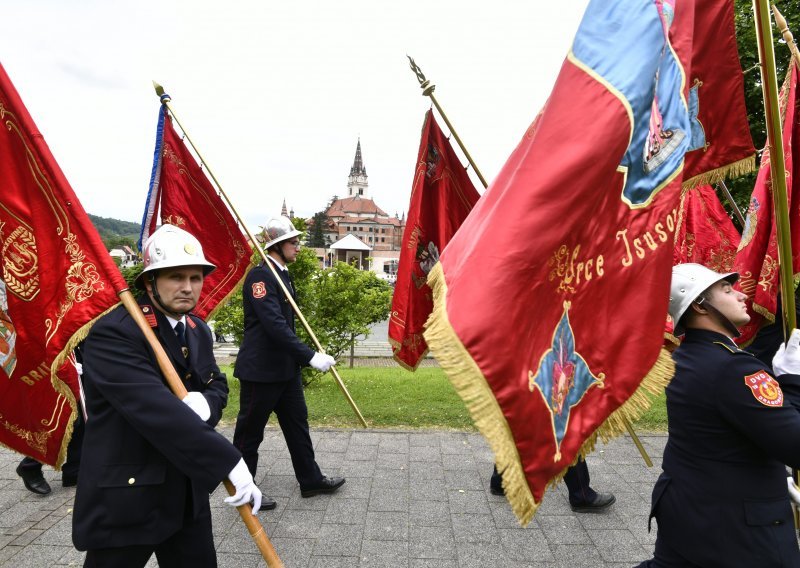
(269, 362)
(150, 460)
(722, 499)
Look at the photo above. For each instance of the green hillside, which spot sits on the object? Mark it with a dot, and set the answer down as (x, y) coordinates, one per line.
(115, 232)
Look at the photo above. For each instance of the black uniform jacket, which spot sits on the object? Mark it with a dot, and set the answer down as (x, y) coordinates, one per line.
(147, 455)
(722, 499)
(270, 351)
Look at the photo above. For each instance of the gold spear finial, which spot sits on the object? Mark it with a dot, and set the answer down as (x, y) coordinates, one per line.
(427, 91)
(165, 98)
(424, 84)
(783, 27)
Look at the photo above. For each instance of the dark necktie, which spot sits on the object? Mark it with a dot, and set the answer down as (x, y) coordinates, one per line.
(180, 331)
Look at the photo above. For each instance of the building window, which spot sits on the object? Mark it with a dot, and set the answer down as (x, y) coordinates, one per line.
(383, 239)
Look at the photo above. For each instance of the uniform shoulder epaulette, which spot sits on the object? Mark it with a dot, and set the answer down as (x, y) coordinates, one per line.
(733, 349)
(190, 320)
(149, 315)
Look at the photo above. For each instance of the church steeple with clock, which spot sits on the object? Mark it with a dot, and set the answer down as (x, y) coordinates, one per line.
(357, 184)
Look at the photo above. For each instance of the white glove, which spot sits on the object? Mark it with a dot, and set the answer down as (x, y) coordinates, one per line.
(322, 361)
(197, 402)
(79, 368)
(246, 490)
(794, 491)
(787, 359)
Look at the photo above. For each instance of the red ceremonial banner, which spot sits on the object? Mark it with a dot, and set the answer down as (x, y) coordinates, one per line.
(757, 259)
(705, 232)
(550, 300)
(188, 200)
(57, 278)
(441, 198)
(716, 80)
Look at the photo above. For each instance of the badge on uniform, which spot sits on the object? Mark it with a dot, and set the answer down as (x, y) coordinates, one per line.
(259, 290)
(766, 389)
(149, 316)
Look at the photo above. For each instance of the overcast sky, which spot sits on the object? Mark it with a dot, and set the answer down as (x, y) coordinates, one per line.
(276, 94)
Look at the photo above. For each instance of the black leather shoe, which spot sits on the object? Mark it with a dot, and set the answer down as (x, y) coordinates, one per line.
(34, 482)
(496, 490)
(326, 485)
(602, 502)
(267, 504)
(69, 480)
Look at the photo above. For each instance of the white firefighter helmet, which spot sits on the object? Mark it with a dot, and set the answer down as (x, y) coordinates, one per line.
(689, 280)
(170, 246)
(278, 229)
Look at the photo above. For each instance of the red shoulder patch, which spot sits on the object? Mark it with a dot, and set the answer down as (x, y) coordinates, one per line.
(149, 316)
(259, 290)
(765, 389)
(190, 322)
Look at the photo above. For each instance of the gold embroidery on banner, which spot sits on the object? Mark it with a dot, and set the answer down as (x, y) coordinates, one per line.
(176, 220)
(36, 440)
(747, 283)
(83, 278)
(20, 263)
(768, 273)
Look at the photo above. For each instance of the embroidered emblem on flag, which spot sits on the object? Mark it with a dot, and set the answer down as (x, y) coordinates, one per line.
(259, 290)
(766, 389)
(563, 377)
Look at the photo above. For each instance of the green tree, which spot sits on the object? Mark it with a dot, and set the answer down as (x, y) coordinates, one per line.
(316, 237)
(229, 318)
(341, 303)
(299, 224)
(130, 273)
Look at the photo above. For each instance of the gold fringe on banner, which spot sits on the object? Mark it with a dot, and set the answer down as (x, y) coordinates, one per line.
(62, 388)
(397, 345)
(734, 170)
(470, 384)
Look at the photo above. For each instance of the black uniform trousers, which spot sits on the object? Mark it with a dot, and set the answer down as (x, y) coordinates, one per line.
(576, 478)
(256, 402)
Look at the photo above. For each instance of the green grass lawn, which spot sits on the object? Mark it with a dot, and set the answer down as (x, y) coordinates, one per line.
(391, 397)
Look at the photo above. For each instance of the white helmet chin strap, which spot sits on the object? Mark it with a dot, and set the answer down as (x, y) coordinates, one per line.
(726, 323)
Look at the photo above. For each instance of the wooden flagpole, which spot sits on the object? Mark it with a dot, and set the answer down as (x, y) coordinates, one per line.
(176, 386)
(427, 91)
(769, 84)
(165, 100)
(783, 27)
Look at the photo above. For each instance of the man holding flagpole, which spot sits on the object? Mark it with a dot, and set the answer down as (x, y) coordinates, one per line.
(722, 498)
(151, 460)
(269, 362)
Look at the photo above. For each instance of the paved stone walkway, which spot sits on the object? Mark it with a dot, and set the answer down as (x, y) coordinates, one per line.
(413, 499)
